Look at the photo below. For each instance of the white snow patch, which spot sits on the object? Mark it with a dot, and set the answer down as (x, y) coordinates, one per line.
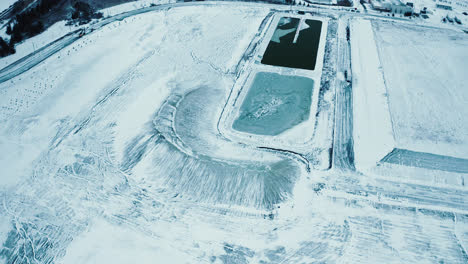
(110, 243)
(373, 135)
(425, 75)
(139, 111)
(4, 4)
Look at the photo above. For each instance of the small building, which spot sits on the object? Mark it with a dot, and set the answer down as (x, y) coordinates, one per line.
(393, 6)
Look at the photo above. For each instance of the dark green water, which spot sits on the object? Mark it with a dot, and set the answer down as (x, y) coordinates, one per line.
(303, 53)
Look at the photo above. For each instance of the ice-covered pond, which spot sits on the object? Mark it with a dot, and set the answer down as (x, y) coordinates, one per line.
(274, 103)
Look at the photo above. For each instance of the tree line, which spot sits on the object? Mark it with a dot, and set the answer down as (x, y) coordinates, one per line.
(25, 25)
(29, 23)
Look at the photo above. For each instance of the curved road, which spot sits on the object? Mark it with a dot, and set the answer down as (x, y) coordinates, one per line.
(29, 61)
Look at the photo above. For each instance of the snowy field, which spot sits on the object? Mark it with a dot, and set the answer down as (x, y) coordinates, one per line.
(409, 99)
(373, 135)
(60, 28)
(409, 106)
(5, 4)
(115, 150)
(426, 80)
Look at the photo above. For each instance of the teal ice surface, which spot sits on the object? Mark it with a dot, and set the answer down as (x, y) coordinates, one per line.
(275, 103)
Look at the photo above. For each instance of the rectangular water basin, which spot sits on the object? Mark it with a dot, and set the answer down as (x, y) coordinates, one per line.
(274, 104)
(294, 44)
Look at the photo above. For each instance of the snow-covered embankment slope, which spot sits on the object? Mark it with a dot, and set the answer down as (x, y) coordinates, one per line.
(373, 135)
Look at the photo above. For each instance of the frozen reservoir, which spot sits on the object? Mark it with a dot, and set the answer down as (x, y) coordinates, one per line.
(274, 103)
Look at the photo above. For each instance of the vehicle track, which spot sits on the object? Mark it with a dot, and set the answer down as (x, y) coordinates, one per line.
(426, 160)
(343, 154)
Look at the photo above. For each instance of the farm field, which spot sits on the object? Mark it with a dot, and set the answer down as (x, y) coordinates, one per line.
(425, 76)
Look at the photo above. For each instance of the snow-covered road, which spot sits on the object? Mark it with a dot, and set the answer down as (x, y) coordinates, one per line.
(29, 61)
(343, 150)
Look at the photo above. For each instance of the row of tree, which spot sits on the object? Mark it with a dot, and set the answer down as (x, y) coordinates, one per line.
(5, 48)
(29, 23)
(83, 13)
(344, 3)
(26, 24)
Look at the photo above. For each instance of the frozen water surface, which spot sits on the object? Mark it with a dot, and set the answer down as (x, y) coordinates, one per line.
(275, 103)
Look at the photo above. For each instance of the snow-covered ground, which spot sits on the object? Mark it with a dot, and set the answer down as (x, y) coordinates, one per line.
(373, 135)
(409, 98)
(25, 96)
(110, 152)
(5, 4)
(30, 45)
(436, 14)
(60, 29)
(426, 80)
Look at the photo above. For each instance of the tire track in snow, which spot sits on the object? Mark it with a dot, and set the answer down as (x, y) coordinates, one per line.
(343, 153)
